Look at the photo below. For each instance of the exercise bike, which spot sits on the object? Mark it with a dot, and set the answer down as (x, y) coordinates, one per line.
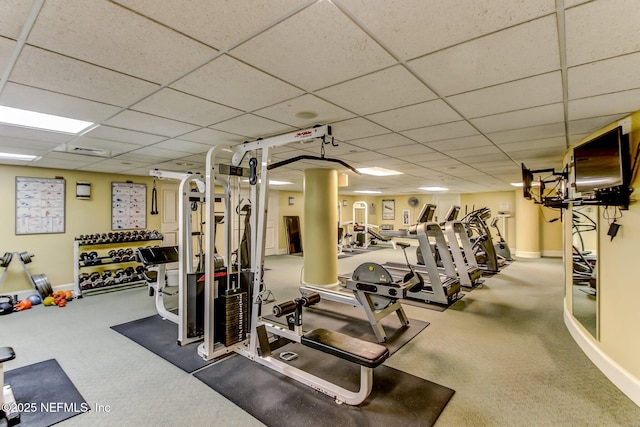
(501, 247)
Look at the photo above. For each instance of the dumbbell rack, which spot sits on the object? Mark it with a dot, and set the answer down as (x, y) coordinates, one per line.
(101, 261)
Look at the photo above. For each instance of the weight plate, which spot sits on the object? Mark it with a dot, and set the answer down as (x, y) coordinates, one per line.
(25, 257)
(6, 259)
(42, 285)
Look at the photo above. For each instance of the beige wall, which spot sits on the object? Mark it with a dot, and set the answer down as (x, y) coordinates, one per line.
(54, 252)
(618, 284)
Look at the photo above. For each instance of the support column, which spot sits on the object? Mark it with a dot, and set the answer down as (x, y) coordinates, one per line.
(527, 228)
(320, 236)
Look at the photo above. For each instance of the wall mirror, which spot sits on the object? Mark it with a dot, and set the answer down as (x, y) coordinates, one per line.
(585, 266)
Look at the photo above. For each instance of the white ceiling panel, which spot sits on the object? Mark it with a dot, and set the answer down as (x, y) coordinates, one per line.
(6, 50)
(522, 155)
(285, 112)
(522, 51)
(526, 93)
(391, 88)
(527, 134)
(407, 151)
(42, 101)
(416, 116)
(39, 146)
(13, 13)
(33, 134)
(144, 157)
(190, 109)
(183, 146)
(601, 29)
(212, 24)
(426, 158)
(134, 120)
(230, 82)
(356, 128)
(363, 156)
(529, 117)
(383, 141)
(253, 126)
(47, 162)
(440, 132)
(613, 103)
(459, 143)
(57, 73)
(337, 48)
(416, 27)
(592, 124)
(612, 75)
(572, 3)
(212, 136)
(113, 166)
(106, 34)
(124, 135)
(460, 153)
(556, 142)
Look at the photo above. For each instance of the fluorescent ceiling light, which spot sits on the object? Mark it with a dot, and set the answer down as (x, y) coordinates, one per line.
(533, 184)
(516, 184)
(368, 192)
(377, 171)
(12, 156)
(31, 119)
(433, 189)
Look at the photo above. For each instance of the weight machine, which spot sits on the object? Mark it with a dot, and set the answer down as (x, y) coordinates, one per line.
(233, 312)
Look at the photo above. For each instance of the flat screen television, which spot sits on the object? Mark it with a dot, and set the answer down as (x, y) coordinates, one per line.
(527, 182)
(602, 162)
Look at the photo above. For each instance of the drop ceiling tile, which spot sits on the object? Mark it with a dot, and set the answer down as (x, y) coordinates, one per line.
(416, 116)
(522, 51)
(142, 122)
(572, 3)
(517, 95)
(391, 140)
(601, 29)
(333, 151)
(459, 143)
(592, 124)
(363, 156)
(68, 164)
(6, 50)
(57, 73)
(186, 108)
(124, 135)
(108, 35)
(33, 134)
(356, 128)
(557, 153)
(230, 82)
(555, 142)
(211, 137)
(13, 142)
(407, 151)
(211, 22)
(253, 126)
(428, 157)
(527, 134)
(596, 106)
(441, 132)
(145, 157)
(391, 88)
(412, 28)
(43, 101)
(113, 166)
(528, 117)
(184, 146)
(577, 138)
(13, 14)
(286, 111)
(475, 152)
(312, 55)
(597, 78)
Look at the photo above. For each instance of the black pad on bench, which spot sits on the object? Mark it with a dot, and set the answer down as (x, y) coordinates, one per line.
(354, 350)
(160, 255)
(6, 354)
(379, 236)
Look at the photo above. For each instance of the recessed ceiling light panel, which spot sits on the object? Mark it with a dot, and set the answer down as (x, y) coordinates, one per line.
(49, 122)
(378, 171)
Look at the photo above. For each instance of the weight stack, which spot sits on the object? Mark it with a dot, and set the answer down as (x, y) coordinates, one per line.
(233, 321)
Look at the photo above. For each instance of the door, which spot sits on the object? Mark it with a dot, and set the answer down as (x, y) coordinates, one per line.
(169, 214)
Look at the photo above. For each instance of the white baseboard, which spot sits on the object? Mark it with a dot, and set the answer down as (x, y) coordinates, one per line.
(552, 254)
(26, 292)
(524, 254)
(620, 377)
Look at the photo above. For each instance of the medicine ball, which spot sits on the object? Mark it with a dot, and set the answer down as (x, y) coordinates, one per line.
(35, 299)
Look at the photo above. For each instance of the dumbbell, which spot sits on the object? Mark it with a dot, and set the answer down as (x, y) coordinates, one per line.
(85, 281)
(96, 280)
(118, 276)
(108, 278)
(130, 273)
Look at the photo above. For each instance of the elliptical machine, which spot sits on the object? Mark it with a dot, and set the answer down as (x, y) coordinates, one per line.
(501, 247)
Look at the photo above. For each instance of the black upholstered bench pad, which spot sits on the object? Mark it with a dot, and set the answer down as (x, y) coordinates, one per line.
(354, 350)
(6, 354)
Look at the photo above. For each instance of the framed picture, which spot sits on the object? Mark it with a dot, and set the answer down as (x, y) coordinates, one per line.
(388, 209)
(406, 217)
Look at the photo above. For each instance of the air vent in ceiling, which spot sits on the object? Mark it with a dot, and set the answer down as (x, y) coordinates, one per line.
(85, 151)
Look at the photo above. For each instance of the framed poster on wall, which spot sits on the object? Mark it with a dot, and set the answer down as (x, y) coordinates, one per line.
(388, 209)
(40, 205)
(406, 217)
(128, 206)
